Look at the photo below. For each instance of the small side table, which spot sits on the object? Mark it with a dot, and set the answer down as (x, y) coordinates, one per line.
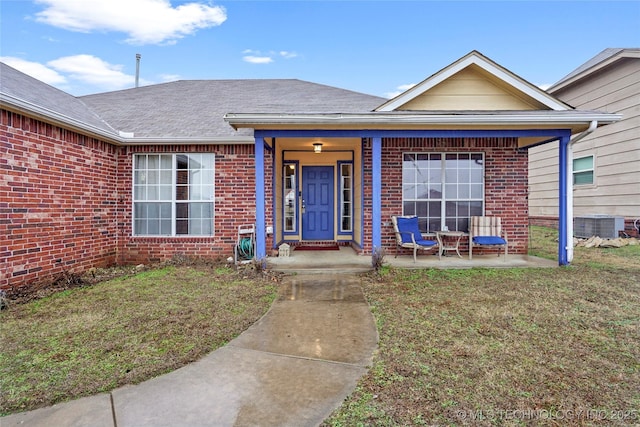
(449, 241)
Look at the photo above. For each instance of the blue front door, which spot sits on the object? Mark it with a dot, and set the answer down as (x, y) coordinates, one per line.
(317, 196)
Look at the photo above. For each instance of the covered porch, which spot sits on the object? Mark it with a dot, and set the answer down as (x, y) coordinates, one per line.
(366, 183)
(452, 147)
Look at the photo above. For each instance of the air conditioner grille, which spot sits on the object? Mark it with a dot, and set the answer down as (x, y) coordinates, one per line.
(605, 226)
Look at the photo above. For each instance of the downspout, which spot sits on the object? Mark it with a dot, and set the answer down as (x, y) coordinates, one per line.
(376, 191)
(592, 126)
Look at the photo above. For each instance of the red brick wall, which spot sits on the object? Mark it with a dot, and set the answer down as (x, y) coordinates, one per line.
(65, 202)
(506, 184)
(57, 201)
(234, 205)
(65, 199)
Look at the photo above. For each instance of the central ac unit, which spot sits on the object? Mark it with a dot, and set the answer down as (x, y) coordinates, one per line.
(605, 226)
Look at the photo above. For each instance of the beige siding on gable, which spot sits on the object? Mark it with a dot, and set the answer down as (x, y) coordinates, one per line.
(471, 89)
(616, 149)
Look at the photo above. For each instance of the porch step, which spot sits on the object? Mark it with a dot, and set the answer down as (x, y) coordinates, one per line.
(319, 243)
(345, 260)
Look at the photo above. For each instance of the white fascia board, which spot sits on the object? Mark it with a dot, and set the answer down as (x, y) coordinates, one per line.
(544, 118)
(474, 59)
(220, 140)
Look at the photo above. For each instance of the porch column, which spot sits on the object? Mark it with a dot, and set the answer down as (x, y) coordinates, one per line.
(565, 185)
(376, 192)
(261, 251)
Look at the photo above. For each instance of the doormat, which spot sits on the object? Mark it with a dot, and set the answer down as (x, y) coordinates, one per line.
(318, 246)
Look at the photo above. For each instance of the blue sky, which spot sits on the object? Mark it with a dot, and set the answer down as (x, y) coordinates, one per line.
(377, 47)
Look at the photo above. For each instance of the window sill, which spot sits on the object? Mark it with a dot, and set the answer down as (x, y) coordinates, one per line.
(173, 238)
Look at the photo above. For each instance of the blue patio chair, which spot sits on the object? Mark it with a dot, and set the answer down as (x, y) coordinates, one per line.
(487, 231)
(408, 235)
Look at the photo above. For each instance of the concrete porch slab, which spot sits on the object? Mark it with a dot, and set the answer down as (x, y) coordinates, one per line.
(348, 260)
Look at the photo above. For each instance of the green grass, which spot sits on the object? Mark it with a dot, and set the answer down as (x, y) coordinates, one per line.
(472, 347)
(457, 347)
(88, 340)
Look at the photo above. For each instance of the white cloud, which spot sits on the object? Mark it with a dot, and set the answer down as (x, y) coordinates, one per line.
(144, 21)
(400, 89)
(288, 55)
(92, 70)
(257, 59)
(80, 73)
(35, 70)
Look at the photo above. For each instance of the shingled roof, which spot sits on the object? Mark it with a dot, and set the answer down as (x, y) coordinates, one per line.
(189, 109)
(21, 89)
(195, 108)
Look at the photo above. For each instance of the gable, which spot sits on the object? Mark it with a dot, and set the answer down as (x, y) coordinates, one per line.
(474, 83)
(472, 89)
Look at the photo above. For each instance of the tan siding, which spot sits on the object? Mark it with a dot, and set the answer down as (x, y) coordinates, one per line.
(622, 171)
(619, 153)
(470, 89)
(601, 97)
(608, 82)
(616, 148)
(543, 180)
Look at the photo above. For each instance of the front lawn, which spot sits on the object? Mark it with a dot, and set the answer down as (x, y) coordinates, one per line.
(88, 340)
(557, 346)
(554, 346)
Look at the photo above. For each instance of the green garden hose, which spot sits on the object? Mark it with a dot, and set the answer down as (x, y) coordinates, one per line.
(245, 248)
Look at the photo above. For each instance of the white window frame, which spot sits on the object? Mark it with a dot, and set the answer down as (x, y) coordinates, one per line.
(290, 195)
(344, 203)
(145, 180)
(591, 170)
(475, 188)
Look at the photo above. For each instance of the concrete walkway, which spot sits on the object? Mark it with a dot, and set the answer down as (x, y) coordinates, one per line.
(291, 368)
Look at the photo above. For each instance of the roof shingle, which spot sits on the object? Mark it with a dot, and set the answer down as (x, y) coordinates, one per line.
(20, 86)
(195, 108)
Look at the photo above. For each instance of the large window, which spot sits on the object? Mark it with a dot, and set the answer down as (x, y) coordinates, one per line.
(583, 171)
(443, 189)
(173, 194)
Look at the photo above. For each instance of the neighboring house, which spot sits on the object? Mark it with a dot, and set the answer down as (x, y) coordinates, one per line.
(606, 163)
(148, 173)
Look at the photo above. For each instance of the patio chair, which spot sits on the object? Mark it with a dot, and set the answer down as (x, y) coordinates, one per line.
(487, 231)
(408, 235)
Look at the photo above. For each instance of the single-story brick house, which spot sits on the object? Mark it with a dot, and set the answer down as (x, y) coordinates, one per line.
(143, 174)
